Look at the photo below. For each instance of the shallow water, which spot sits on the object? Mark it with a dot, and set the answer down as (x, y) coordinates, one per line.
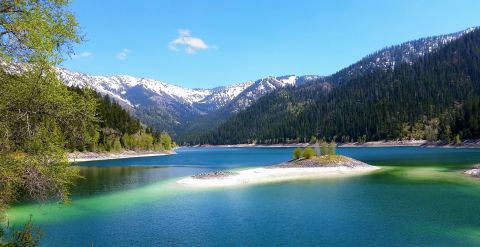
(419, 197)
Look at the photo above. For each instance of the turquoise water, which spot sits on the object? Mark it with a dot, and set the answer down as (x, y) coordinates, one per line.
(418, 198)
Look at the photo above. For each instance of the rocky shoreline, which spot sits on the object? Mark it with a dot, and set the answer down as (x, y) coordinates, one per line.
(472, 143)
(92, 156)
(209, 175)
(474, 172)
(339, 160)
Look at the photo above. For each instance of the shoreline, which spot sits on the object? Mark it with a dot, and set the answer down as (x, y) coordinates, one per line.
(287, 171)
(126, 154)
(412, 143)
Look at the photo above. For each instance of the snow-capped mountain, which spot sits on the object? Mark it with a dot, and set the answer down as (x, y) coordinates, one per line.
(150, 99)
(263, 86)
(172, 108)
(389, 57)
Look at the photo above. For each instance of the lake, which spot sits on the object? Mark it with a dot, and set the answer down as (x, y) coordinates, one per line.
(419, 197)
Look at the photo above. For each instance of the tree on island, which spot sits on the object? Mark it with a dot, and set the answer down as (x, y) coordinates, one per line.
(324, 149)
(297, 153)
(332, 148)
(308, 153)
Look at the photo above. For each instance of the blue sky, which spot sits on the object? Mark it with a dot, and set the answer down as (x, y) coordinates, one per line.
(202, 44)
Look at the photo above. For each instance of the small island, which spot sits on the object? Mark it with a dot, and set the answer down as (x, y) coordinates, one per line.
(474, 171)
(309, 165)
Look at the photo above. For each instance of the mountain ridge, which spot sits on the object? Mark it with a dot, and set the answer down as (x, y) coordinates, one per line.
(436, 96)
(175, 109)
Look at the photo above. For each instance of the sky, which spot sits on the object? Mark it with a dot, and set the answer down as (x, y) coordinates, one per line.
(209, 43)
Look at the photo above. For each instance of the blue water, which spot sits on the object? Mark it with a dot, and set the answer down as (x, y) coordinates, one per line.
(418, 198)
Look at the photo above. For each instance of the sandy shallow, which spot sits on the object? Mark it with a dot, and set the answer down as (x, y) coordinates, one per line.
(268, 175)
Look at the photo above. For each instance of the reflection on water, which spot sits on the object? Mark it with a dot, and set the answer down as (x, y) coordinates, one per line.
(97, 180)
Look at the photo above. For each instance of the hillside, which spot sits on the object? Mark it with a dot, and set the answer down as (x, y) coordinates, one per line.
(435, 96)
(117, 129)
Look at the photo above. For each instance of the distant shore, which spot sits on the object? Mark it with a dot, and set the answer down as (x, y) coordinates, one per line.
(410, 143)
(92, 156)
(338, 166)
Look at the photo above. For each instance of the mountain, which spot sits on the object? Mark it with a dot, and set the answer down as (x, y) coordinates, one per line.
(188, 113)
(390, 57)
(167, 107)
(431, 93)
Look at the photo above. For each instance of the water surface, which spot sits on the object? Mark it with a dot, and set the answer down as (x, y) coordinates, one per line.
(419, 197)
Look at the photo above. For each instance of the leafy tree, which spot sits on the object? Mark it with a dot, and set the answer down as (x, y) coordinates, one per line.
(324, 149)
(297, 153)
(308, 153)
(36, 30)
(332, 148)
(117, 146)
(457, 139)
(38, 116)
(432, 129)
(166, 141)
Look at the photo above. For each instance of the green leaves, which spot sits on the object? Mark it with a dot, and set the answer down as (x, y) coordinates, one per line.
(297, 153)
(39, 116)
(36, 31)
(308, 153)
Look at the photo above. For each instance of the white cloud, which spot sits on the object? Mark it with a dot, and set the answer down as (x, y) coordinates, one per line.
(189, 44)
(123, 55)
(84, 54)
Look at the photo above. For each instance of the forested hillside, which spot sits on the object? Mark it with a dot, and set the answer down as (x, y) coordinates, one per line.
(117, 130)
(434, 97)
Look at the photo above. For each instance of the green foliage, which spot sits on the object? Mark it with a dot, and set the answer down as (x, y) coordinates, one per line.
(165, 141)
(28, 236)
(308, 153)
(36, 31)
(362, 139)
(457, 139)
(118, 130)
(39, 116)
(114, 116)
(324, 149)
(332, 148)
(297, 153)
(29, 100)
(41, 120)
(117, 146)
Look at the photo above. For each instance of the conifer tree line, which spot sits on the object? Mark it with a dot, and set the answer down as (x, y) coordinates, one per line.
(118, 130)
(437, 98)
